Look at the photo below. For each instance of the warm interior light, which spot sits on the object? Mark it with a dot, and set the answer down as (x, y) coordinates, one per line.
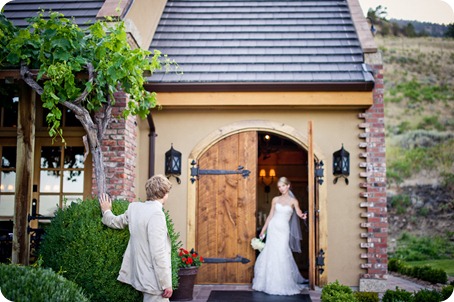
(10, 187)
(47, 188)
(2, 187)
(272, 173)
(56, 188)
(267, 137)
(262, 173)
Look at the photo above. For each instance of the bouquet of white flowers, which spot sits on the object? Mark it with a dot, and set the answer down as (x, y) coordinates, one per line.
(257, 244)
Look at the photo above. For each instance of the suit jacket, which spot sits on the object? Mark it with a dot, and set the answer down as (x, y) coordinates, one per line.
(146, 262)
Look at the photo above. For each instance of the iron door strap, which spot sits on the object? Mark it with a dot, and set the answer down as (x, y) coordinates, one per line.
(196, 171)
(237, 259)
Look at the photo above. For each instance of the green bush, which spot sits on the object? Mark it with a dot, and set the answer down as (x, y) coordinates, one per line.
(446, 292)
(336, 292)
(401, 202)
(423, 272)
(393, 264)
(398, 295)
(176, 245)
(366, 297)
(89, 253)
(25, 283)
(416, 248)
(425, 295)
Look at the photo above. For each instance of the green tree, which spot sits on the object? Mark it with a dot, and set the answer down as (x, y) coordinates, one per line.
(450, 31)
(81, 70)
(409, 30)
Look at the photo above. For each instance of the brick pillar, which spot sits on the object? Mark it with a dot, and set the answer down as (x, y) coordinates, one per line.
(374, 203)
(119, 150)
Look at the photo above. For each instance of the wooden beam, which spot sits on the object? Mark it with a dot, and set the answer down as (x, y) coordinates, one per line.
(24, 174)
(310, 214)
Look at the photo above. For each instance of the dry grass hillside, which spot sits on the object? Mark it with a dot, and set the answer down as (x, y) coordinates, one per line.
(419, 113)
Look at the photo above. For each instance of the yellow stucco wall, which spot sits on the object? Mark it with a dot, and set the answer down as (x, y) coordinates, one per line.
(332, 128)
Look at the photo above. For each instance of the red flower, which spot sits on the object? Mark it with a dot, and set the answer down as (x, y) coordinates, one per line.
(189, 259)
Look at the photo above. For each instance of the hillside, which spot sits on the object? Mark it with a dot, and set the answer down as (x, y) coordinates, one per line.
(419, 117)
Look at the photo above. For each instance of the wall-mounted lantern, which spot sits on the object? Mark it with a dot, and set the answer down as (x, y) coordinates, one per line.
(173, 164)
(319, 171)
(341, 164)
(320, 261)
(263, 178)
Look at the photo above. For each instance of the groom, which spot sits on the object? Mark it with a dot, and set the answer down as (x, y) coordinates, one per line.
(146, 263)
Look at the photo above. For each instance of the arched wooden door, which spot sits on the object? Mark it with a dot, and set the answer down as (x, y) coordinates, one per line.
(226, 209)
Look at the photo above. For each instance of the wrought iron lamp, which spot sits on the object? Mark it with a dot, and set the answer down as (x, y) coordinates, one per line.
(319, 171)
(341, 165)
(272, 175)
(320, 261)
(173, 164)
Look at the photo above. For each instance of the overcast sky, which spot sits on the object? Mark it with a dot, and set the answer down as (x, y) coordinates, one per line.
(435, 11)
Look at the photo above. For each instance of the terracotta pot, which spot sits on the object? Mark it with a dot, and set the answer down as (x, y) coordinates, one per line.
(185, 288)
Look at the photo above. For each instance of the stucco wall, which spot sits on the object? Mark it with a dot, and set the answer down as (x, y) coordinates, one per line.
(331, 129)
(143, 25)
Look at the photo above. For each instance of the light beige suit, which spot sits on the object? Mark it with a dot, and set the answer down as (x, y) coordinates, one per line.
(146, 262)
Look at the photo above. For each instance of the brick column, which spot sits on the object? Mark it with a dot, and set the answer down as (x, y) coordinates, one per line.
(374, 204)
(119, 150)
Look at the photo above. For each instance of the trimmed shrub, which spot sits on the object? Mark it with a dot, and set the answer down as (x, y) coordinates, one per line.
(425, 295)
(398, 295)
(446, 292)
(176, 245)
(393, 264)
(89, 253)
(423, 272)
(336, 292)
(26, 283)
(366, 297)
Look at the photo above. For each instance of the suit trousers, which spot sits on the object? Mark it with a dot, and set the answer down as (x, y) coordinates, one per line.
(154, 298)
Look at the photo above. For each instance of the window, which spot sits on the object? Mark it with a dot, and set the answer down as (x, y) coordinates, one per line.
(61, 177)
(7, 180)
(9, 103)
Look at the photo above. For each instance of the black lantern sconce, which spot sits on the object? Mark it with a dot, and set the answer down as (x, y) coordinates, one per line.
(341, 165)
(320, 261)
(319, 171)
(173, 164)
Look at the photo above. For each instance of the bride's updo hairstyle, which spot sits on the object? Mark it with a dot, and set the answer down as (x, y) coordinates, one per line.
(284, 180)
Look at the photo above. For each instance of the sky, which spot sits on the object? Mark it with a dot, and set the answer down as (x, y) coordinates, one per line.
(434, 11)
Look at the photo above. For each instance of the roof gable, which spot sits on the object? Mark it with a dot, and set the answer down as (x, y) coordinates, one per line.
(268, 41)
(83, 11)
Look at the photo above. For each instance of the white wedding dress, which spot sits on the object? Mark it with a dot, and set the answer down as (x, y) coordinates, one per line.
(275, 271)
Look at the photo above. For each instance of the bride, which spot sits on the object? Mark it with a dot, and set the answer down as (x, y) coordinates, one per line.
(275, 270)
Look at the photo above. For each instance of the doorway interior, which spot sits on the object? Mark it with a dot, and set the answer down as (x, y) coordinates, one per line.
(277, 157)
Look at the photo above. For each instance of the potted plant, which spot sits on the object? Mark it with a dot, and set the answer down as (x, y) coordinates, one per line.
(190, 261)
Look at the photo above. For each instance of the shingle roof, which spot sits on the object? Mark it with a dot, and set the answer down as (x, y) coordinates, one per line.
(84, 11)
(260, 41)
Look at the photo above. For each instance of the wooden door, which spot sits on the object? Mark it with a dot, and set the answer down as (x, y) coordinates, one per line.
(226, 208)
(311, 207)
(313, 214)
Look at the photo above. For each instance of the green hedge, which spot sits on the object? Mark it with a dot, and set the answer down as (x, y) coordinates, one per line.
(366, 297)
(25, 283)
(423, 272)
(89, 253)
(423, 295)
(336, 292)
